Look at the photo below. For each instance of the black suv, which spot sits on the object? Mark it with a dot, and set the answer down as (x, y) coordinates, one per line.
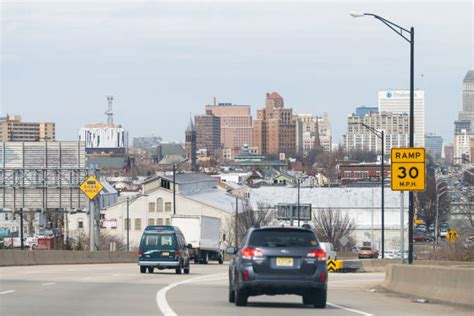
(278, 260)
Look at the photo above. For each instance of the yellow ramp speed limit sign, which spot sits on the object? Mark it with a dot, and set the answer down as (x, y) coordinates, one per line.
(408, 169)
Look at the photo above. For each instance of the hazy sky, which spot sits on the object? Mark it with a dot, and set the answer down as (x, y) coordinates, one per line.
(163, 60)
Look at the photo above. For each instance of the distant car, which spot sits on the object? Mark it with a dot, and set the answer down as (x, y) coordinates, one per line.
(367, 252)
(388, 254)
(329, 250)
(443, 230)
(278, 260)
(163, 247)
(421, 236)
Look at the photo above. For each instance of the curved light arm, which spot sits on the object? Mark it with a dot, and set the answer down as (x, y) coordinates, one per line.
(395, 27)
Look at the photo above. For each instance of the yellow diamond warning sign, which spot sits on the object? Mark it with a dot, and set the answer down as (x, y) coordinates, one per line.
(452, 235)
(91, 187)
(408, 169)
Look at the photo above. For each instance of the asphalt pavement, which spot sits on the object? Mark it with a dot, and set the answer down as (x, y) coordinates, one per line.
(119, 289)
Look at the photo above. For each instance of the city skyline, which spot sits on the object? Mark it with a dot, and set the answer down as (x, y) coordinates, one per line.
(139, 65)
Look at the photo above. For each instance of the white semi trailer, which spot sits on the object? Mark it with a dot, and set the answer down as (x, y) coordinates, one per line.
(203, 233)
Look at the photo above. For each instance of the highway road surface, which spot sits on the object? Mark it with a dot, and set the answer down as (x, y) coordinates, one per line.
(119, 289)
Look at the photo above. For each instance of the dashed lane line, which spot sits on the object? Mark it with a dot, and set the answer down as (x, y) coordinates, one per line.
(7, 292)
(349, 309)
(49, 283)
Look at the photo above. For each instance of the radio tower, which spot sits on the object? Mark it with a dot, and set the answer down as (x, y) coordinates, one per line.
(109, 112)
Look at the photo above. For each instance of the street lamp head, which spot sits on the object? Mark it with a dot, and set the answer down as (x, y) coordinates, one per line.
(356, 14)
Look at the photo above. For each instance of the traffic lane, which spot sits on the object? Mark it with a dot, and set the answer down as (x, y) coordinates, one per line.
(349, 294)
(102, 289)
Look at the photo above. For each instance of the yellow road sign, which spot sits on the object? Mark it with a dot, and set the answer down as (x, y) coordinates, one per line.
(408, 169)
(452, 235)
(91, 187)
(333, 265)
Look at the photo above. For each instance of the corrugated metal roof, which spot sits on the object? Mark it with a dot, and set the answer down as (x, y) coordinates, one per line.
(325, 197)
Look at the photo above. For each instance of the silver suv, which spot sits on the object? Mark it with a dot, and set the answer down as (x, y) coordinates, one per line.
(278, 260)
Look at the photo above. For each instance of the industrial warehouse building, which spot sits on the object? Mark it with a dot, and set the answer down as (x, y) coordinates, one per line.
(196, 194)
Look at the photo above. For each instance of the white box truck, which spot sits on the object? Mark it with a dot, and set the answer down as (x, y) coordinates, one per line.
(204, 234)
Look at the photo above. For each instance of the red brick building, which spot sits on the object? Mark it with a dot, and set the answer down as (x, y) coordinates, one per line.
(361, 172)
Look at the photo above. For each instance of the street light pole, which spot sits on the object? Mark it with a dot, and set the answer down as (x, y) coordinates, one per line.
(380, 134)
(402, 32)
(128, 223)
(382, 180)
(297, 179)
(438, 195)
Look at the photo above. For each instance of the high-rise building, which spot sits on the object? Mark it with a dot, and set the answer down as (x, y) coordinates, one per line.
(275, 127)
(236, 125)
(12, 129)
(325, 135)
(462, 146)
(434, 145)
(190, 144)
(468, 98)
(316, 132)
(398, 102)
(449, 153)
(208, 133)
(360, 138)
(464, 126)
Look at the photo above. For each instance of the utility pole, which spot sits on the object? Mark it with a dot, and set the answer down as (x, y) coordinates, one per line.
(174, 189)
(128, 224)
(236, 222)
(21, 229)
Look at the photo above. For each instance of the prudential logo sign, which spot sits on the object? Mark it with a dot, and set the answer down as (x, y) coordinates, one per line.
(389, 94)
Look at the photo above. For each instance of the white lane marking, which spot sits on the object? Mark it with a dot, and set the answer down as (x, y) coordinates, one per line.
(349, 309)
(49, 283)
(161, 300)
(7, 292)
(166, 309)
(87, 278)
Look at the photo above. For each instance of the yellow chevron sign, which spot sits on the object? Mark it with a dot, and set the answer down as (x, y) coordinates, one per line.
(333, 265)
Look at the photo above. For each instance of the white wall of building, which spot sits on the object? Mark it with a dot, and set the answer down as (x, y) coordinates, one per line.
(398, 101)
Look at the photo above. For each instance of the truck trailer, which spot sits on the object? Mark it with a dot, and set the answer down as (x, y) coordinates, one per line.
(203, 233)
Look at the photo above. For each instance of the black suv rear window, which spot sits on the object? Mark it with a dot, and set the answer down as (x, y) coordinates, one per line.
(282, 238)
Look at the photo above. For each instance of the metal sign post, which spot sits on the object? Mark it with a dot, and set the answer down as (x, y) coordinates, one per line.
(92, 187)
(402, 225)
(408, 174)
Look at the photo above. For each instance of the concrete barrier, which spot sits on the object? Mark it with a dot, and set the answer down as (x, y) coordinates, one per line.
(7, 258)
(376, 265)
(447, 284)
(23, 258)
(123, 257)
(48, 257)
(42, 257)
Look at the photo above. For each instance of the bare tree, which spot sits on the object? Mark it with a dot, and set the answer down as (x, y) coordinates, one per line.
(332, 224)
(247, 217)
